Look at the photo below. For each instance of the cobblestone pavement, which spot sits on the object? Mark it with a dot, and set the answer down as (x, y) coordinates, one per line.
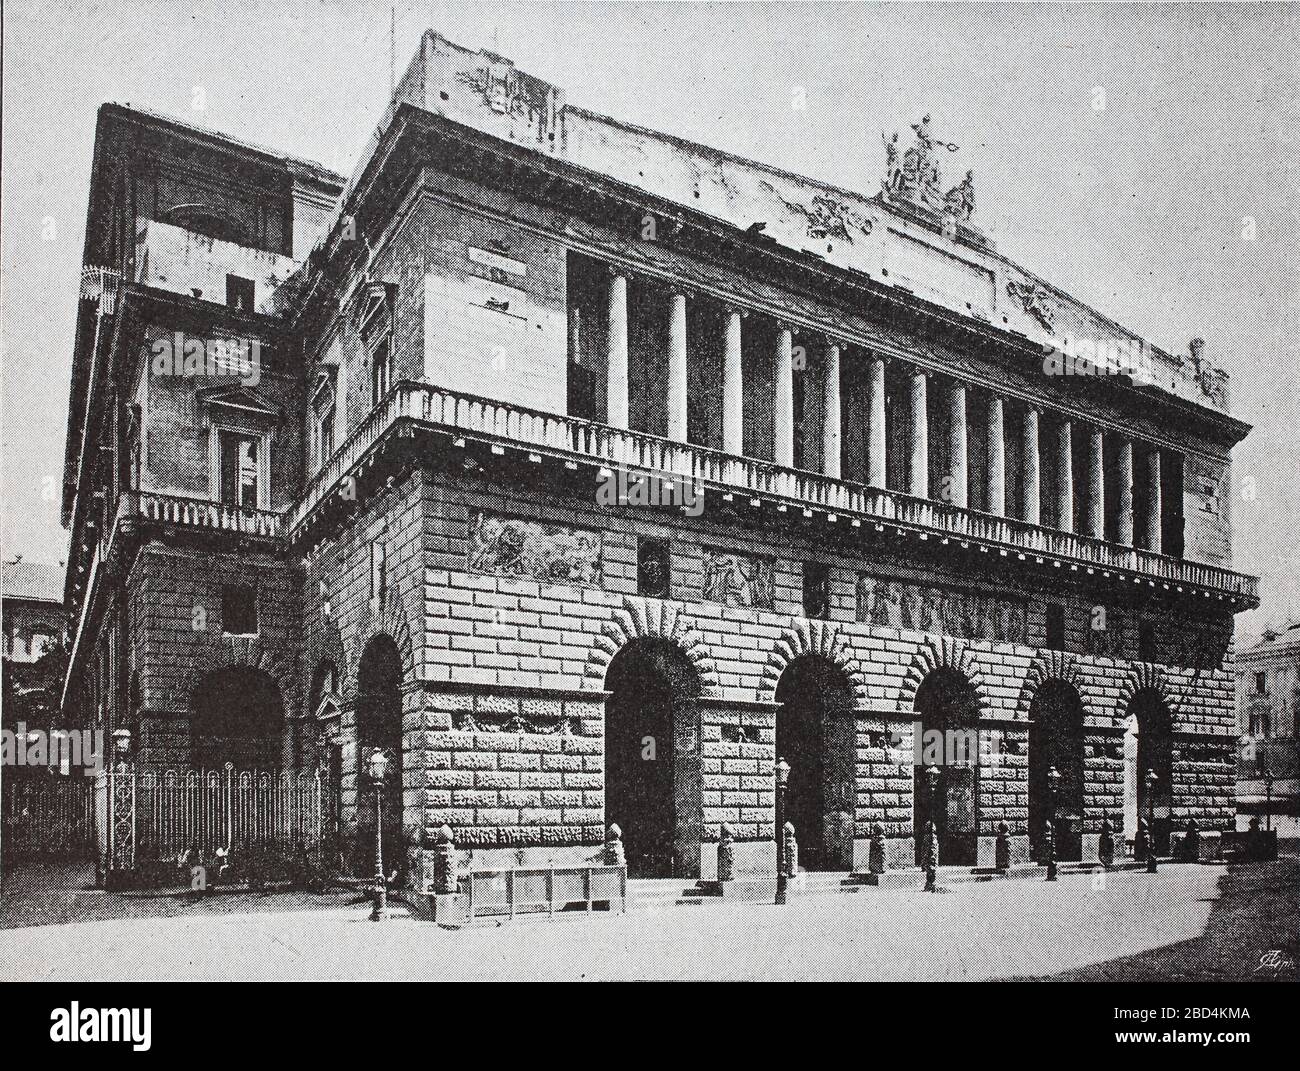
(1192, 922)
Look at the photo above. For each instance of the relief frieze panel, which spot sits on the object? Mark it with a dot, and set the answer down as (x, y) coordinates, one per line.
(533, 550)
(735, 579)
(928, 608)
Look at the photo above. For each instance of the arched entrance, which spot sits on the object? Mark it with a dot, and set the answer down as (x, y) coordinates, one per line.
(814, 734)
(379, 725)
(949, 726)
(653, 784)
(1149, 719)
(237, 717)
(1056, 739)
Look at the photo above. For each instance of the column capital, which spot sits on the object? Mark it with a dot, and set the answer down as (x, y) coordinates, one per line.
(617, 271)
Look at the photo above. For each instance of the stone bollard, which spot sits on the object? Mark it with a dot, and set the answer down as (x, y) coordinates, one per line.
(1106, 844)
(876, 862)
(791, 850)
(445, 878)
(1002, 848)
(614, 846)
(1140, 842)
(726, 853)
(931, 856)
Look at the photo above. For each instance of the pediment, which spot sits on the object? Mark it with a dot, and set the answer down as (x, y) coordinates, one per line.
(246, 400)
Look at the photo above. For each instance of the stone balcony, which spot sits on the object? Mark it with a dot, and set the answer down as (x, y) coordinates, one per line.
(197, 513)
(539, 435)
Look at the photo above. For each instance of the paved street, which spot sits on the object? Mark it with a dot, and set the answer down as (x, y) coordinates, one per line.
(1185, 923)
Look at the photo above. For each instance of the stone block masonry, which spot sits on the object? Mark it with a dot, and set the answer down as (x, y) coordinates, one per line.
(505, 731)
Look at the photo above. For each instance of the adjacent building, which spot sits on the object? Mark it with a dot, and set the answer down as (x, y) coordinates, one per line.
(588, 471)
(34, 620)
(1268, 702)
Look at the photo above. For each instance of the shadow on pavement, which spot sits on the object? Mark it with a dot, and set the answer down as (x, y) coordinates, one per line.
(1252, 934)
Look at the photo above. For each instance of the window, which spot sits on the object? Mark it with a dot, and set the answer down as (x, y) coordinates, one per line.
(325, 435)
(1147, 642)
(1259, 724)
(1055, 626)
(238, 610)
(378, 572)
(1261, 683)
(816, 590)
(239, 293)
(240, 463)
(653, 568)
(375, 320)
(381, 372)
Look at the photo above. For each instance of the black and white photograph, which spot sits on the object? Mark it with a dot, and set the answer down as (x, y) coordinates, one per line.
(650, 491)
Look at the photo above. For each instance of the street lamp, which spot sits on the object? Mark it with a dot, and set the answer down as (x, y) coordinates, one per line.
(782, 778)
(378, 767)
(1268, 796)
(1151, 780)
(122, 745)
(930, 835)
(1053, 787)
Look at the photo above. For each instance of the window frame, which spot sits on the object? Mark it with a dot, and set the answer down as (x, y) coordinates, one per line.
(219, 427)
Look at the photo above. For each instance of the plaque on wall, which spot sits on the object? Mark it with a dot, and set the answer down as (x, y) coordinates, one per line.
(738, 579)
(968, 615)
(549, 553)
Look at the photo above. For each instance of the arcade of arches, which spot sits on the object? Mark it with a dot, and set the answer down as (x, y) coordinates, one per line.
(654, 782)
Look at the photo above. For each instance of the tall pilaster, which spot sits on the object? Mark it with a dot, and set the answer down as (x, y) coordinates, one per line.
(733, 389)
(677, 369)
(616, 353)
(831, 412)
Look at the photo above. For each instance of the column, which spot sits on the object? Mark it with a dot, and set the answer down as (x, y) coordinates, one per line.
(876, 423)
(616, 354)
(1125, 477)
(1096, 508)
(918, 438)
(1153, 517)
(1064, 478)
(831, 412)
(733, 389)
(783, 399)
(997, 466)
(1031, 505)
(677, 369)
(957, 443)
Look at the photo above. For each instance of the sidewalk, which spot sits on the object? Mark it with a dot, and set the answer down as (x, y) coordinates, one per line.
(1189, 922)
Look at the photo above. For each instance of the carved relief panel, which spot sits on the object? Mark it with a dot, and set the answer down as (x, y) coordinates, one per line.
(926, 608)
(549, 553)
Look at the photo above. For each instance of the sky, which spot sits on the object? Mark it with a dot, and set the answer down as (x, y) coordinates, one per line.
(1143, 158)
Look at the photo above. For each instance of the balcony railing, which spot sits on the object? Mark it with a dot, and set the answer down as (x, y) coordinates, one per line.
(573, 437)
(195, 513)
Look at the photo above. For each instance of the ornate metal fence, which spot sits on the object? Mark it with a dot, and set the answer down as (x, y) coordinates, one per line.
(160, 816)
(48, 818)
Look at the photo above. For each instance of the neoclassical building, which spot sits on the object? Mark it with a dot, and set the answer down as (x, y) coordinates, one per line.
(588, 470)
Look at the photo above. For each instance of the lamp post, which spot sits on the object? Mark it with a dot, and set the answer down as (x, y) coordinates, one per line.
(782, 778)
(378, 767)
(930, 842)
(1151, 780)
(1268, 797)
(122, 745)
(1053, 787)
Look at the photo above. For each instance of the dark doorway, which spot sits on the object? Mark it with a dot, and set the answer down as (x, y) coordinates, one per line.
(949, 727)
(237, 717)
(1056, 739)
(379, 725)
(814, 734)
(1155, 753)
(652, 765)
